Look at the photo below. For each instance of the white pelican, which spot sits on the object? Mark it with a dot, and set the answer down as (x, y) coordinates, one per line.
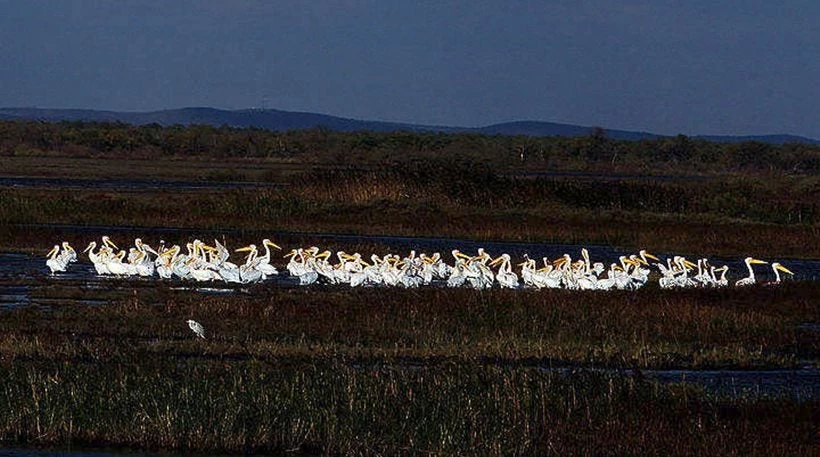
(54, 261)
(314, 265)
(362, 273)
(682, 279)
(563, 265)
(68, 253)
(550, 276)
(248, 271)
(527, 270)
(703, 278)
(585, 277)
(263, 264)
(620, 275)
(505, 276)
(119, 268)
(301, 265)
(777, 268)
(749, 280)
(99, 258)
(106, 241)
(722, 281)
(457, 275)
(645, 255)
(228, 271)
(202, 270)
(164, 264)
(478, 274)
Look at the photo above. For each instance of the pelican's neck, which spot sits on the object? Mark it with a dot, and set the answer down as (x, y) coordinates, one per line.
(749, 267)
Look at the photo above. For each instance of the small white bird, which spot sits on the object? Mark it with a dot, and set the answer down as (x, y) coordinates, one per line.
(197, 328)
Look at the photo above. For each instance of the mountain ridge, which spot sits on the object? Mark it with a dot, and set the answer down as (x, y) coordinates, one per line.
(280, 120)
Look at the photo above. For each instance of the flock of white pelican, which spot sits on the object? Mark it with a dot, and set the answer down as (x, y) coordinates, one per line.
(204, 263)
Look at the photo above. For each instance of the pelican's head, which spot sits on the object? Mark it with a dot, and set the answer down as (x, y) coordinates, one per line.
(107, 241)
(777, 266)
(248, 248)
(646, 255)
(497, 260)
(459, 255)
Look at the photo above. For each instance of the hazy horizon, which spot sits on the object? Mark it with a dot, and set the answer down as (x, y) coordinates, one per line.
(697, 68)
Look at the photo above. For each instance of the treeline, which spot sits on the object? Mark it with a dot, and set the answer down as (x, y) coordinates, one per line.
(595, 152)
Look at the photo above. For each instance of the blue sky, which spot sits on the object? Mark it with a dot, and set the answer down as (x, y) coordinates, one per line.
(692, 67)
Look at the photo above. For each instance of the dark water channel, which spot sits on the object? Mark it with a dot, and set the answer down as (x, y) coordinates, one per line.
(124, 184)
(805, 270)
(18, 272)
(17, 452)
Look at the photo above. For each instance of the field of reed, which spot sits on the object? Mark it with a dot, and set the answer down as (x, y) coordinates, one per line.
(335, 409)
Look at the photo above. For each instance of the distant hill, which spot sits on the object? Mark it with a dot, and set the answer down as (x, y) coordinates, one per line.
(278, 120)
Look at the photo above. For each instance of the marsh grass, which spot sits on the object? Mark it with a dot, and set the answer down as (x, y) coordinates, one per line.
(453, 409)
